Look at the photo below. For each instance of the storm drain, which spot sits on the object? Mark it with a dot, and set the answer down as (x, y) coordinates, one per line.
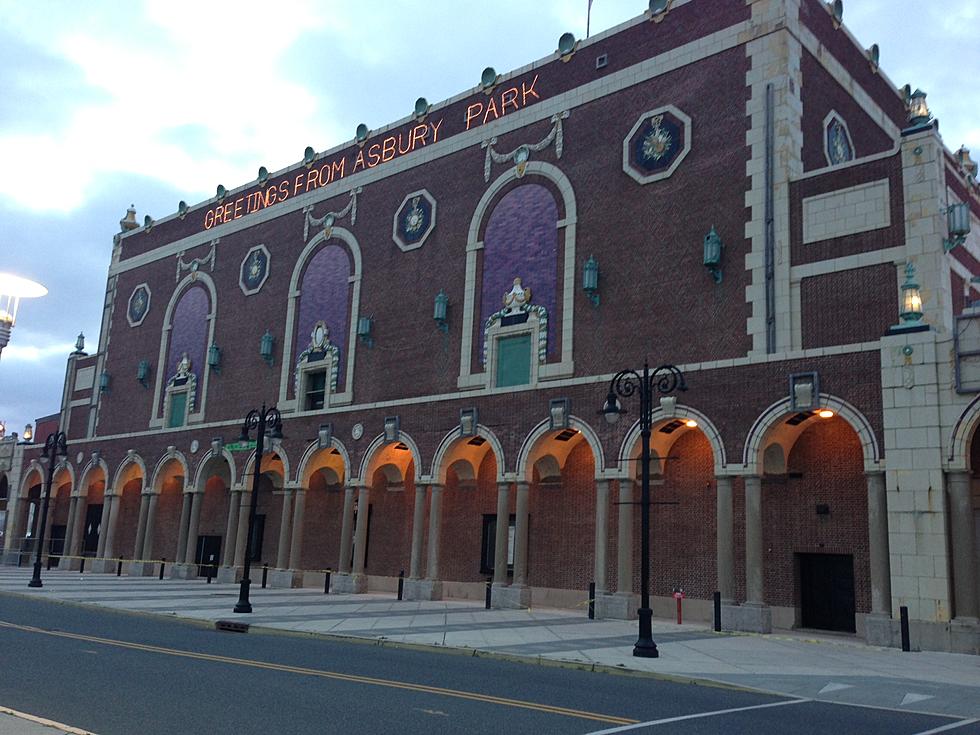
(231, 626)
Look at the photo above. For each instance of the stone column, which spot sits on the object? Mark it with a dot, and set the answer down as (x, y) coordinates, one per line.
(725, 540)
(624, 545)
(140, 527)
(520, 535)
(418, 517)
(231, 530)
(360, 533)
(296, 545)
(963, 546)
(282, 550)
(346, 531)
(104, 549)
(500, 540)
(78, 532)
(241, 539)
(70, 525)
(185, 512)
(151, 523)
(881, 578)
(435, 525)
(111, 525)
(601, 534)
(753, 541)
(193, 527)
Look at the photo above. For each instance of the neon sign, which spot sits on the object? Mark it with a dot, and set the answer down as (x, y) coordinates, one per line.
(367, 156)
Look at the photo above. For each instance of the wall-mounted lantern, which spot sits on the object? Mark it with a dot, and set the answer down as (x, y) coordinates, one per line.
(364, 325)
(488, 79)
(143, 373)
(220, 192)
(214, 358)
(566, 46)
(80, 344)
(104, 382)
(918, 109)
(182, 209)
(28, 434)
(265, 346)
(440, 310)
(324, 436)
(422, 107)
(712, 254)
(590, 279)
(957, 224)
(911, 312)
(361, 133)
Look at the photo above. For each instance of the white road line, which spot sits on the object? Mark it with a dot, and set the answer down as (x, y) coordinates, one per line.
(653, 723)
(950, 726)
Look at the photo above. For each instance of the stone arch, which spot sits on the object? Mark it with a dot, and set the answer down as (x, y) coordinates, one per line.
(93, 466)
(292, 309)
(244, 482)
(209, 458)
(132, 459)
(961, 437)
(173, 455)
(543, 431)
(484, 207)
(34, 468)
(373, 458)
(451, 440)
(68, 468)
(306, 464)
(631, 442)
(768, 423)
(158, 418)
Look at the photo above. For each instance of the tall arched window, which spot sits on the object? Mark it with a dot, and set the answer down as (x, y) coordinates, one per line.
(182, 375)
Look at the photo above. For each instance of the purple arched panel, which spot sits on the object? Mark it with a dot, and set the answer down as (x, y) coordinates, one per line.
(324, 295)
(522, 241)
(189, 331)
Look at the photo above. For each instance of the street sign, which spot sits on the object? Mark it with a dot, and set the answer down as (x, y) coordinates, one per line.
(240, 446)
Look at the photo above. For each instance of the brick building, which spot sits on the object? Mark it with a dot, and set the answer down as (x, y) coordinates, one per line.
(422, 306)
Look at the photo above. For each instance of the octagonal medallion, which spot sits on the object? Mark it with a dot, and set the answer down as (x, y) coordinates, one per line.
(657, 144)
(139, 305)
(414, 220)
(254, 270)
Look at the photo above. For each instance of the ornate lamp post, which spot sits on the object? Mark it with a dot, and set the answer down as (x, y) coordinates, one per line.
(55, 447)
(663, 380)
(261, 421)
(12, 290)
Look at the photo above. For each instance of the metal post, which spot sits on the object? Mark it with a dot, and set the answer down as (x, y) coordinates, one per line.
(489, 591)
(210, 572)
(903, 612)
(326, 583)
(591, 600)
(50, 561)
(163, 563)
(119, 567)
(81, 567)
(717, 612)
(55, 446)
(401, 584)
(265, 574)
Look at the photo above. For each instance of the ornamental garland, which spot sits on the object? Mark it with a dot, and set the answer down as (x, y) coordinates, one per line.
(327, 220)
(524, 151)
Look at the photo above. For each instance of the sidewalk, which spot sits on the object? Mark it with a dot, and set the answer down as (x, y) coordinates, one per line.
(13, 722)
(830, 668)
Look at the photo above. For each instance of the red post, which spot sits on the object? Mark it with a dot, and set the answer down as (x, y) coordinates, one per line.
(679, 595)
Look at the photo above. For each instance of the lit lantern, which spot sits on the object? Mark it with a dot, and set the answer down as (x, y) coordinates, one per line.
(911, 297)
(28, 433)
(590, 279)
(918, 109)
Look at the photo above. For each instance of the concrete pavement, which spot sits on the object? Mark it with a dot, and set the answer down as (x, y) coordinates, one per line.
(827, 668)
(13, 722)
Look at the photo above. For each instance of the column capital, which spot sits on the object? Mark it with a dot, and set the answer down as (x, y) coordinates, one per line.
(523, 485)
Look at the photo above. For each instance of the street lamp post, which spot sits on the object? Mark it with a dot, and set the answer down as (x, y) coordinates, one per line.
(12, 290)
(663, 380)
(55, 447)
(260, 421)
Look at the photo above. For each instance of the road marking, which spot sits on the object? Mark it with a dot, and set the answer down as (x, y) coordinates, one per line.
(835, 687)
(912, 698)
(698, 715)
(950, 726)
(44, 721)
(423, 688)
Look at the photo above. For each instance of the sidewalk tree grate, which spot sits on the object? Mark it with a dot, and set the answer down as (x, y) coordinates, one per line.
(231, 626)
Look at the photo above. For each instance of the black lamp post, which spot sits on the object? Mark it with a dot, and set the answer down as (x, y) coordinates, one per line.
(259, 420)
(55, 447)
(663, 380)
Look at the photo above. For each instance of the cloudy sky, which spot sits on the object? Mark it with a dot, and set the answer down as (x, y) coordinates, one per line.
(103, 104)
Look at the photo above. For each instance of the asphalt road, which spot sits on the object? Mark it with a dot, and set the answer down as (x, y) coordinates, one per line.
(118, 673)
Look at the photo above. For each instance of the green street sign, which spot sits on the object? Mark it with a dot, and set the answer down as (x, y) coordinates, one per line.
(240, 446)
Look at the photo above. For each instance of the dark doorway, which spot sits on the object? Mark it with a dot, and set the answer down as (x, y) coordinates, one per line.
(57, 546)
(93, 521)
(208, 553)
(827, 591)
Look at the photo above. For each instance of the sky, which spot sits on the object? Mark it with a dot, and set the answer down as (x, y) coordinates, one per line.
(107, 103)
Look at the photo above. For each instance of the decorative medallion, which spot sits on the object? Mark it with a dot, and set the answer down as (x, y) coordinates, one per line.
(139, 305)
(357, 431)
(254, 270)
(79, 457)
(414, 219)
(837, 141)
(195, 445)
(657, 144)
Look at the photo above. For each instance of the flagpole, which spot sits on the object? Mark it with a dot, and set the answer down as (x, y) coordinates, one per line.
(588, 19)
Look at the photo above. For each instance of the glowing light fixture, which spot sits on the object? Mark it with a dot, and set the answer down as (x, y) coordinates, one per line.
(691, 424)
(825, 413)
(12, 290)
(918, 109)
(28, 433)
(911, 312)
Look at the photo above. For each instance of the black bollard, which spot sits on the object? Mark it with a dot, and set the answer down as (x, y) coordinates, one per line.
(591, 600)
(81, 567)
(163, 563)
(326, 583)
(119, 568)
(50, 561)
(401, 584)
(717, 612)
(903, 612)
(489, 590)
(210, 572)
(265, 573)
